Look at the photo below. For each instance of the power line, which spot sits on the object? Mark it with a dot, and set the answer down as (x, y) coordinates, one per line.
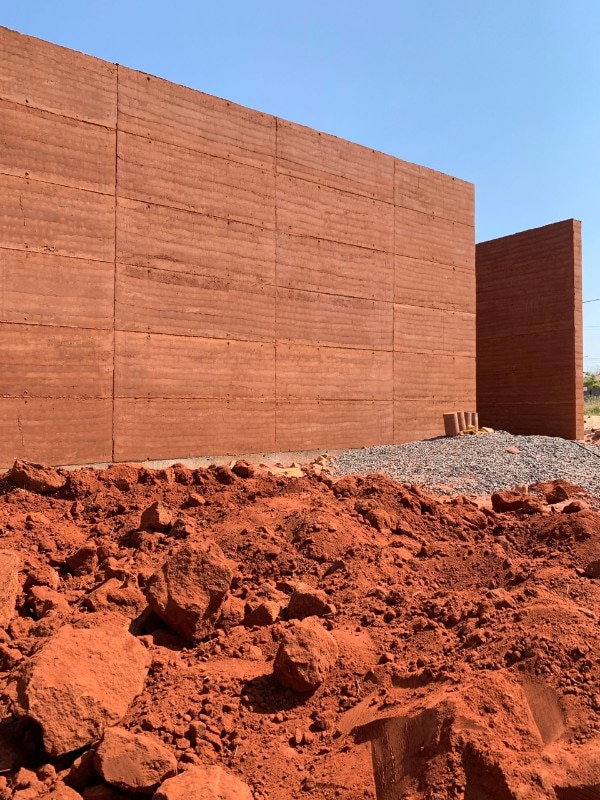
(595, 300)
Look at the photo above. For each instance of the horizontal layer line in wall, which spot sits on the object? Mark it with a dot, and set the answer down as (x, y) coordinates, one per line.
(290, 401)
(25, 396)
(75, 326)
(197, 151)
(290, 171)
(62, 325)
(60, 184)
(285, 399)
(330, 183)
(56, 255)
(435, 215)
(436, 352)
(271, 341)
(274, 342)
(205, 151)
(56, 113)
(124, 195)
(257, 283)
(334, 241)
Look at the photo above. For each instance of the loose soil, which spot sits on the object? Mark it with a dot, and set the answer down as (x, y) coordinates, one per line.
(468, 638)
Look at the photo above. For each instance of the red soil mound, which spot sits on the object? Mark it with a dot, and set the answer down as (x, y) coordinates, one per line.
(454, 649)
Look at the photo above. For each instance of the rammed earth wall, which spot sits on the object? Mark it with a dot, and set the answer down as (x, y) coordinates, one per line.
(182, 276)
(529, 353)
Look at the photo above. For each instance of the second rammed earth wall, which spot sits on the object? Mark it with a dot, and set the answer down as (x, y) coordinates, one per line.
(529, 331)
(181, 276)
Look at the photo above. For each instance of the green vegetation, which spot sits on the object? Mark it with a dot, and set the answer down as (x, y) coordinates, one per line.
(591, 380)
(591, 406)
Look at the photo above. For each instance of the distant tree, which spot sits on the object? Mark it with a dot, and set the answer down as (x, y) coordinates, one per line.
(591, 380)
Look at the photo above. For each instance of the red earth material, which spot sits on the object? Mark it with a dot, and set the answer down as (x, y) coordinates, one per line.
(472, 633)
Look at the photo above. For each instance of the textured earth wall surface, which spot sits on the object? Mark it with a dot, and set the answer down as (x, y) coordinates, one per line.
(182, 276)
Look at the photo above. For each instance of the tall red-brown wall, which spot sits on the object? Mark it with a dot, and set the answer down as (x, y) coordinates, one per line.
(529, 356)
(182, 276)
(58, 112)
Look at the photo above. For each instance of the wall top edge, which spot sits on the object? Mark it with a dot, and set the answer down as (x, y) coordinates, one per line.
(571, 224)
(6, 32)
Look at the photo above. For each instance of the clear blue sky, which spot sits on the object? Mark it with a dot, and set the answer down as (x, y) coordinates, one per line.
(503, 93)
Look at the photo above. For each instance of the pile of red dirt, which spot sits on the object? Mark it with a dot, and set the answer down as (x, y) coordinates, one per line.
(229, 633)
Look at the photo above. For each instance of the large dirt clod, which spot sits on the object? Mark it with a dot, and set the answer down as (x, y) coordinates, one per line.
(36, 478)
(81, 681)
(508, 500)
(305, 656)
(157, 517)
(206, 782)
(10, 563)
(135, 762)
(308, 602)
(187, 592)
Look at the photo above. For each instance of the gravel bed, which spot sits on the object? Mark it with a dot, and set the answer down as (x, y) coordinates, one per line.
(478, 464)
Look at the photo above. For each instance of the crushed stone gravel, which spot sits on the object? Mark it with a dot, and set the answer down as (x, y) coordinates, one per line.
(478, 464)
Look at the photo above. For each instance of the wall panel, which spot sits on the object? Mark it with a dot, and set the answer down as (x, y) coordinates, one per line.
(63, 430)
(184, 241)
(154, 365)
(158, 301)
(41, 75)
(305, 208)
(48, 361)
(156, 109)
(334, 320)
(308, 425)
(433, 376)
(55, 149)
(434, 193)
(205, 427)
(430, 238)
(330, 161)
(155, 172)
(45, 289)
(333, 373)
(529, 359)
(49, 218)
(319, 265)
(419, 329)
(433, 285)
